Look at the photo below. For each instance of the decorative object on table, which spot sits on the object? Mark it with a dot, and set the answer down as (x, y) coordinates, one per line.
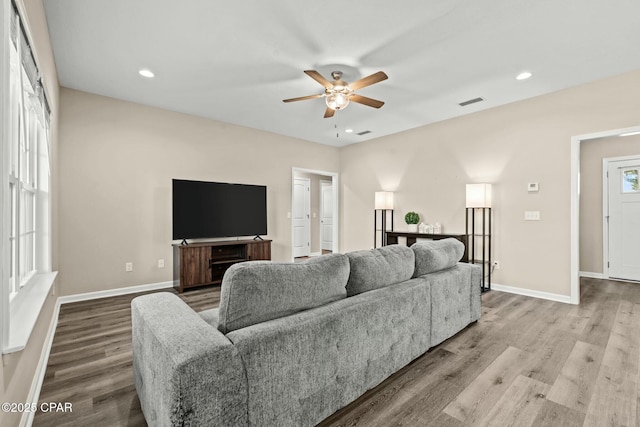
(437, 228)
(428, 229)
(412, 219)
(422, 228)
(479, 211)
(383, 204)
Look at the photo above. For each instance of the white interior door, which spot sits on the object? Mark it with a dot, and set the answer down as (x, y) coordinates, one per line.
(624, 219)
(326, 215)
(301, 207)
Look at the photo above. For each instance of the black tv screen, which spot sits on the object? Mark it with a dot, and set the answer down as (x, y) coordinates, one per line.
(215, 209)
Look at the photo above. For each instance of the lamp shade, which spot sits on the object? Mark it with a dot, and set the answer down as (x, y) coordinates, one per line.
(384, 200)
(478, 195)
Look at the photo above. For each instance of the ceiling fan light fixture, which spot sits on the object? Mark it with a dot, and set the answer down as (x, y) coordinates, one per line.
(338, 94)
(337, 101)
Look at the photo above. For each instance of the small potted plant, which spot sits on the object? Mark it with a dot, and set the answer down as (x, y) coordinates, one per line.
(412, 219)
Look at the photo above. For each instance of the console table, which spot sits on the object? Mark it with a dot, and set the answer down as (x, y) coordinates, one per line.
(392, 239)
(204, 263)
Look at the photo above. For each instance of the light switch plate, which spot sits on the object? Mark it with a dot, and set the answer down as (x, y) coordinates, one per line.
(533, 187)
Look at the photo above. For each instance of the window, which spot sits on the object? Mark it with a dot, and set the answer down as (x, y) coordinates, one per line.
(630, 181)
(25, 216)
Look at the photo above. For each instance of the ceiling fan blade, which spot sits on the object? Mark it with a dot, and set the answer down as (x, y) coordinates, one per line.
(302, 98)
(368, 81)
(366, 101)
(318, 77)
(329, 112)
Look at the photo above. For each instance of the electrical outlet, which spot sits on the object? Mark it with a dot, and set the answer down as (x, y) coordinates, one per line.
(496, 264)
(160, 263)
(128, 266)
(532, 215)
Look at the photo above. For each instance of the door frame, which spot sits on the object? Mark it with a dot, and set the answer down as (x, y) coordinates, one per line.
(324, 181)
(574, 262)
(605, 210)
(336, 208)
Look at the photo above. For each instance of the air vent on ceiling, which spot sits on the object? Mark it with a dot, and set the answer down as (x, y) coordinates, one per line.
(364, 132)
(471, 101)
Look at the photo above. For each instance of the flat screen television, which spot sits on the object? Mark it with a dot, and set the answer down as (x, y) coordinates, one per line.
(216, 209)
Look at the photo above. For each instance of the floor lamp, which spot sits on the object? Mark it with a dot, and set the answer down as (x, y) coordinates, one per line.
(383, 204)
(479, 204)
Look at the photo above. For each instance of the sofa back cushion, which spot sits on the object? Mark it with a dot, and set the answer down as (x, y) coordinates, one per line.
(436, 255)
(378, 268)
(256, 291)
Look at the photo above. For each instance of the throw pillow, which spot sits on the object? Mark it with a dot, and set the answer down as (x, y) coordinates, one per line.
(378, 268)
(436, 255)
(256, 291)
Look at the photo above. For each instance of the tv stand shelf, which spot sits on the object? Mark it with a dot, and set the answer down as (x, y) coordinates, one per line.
(204, 263)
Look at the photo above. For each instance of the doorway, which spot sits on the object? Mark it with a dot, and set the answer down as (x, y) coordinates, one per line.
(576, 220)
(622, 214)
(320, 188)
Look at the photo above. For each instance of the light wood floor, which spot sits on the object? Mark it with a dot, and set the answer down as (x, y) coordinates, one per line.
(527, 362)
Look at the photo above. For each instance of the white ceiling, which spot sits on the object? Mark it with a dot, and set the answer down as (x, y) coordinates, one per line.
(235, 61)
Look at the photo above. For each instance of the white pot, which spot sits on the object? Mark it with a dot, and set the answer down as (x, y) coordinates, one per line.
(413, 228)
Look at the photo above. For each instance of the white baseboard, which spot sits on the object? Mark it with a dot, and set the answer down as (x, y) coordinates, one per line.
(312, 254)
(592, 275)
(115, 292)
(531, 293)
(38, 378)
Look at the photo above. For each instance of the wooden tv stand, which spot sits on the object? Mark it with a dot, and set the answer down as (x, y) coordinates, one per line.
(204, 263)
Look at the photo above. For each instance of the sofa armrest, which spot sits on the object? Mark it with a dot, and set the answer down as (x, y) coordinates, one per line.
(186, 372)
(475, 282)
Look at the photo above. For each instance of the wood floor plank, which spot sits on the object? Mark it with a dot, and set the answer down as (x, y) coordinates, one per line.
(519, 405)
(614, 401)
(623, 348)
(475, 401)
(552, 414)
(575, 384)
(549, 358)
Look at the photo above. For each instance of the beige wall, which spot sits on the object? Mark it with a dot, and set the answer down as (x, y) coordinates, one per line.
(117, 160)
(18, 369)
(508, 146)
(591, 231)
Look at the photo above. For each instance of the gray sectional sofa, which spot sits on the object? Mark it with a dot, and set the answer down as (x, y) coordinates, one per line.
(290, 343)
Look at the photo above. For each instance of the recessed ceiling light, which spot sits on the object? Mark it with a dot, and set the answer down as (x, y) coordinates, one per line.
(524, 76)
(146, 73)
(348, 130)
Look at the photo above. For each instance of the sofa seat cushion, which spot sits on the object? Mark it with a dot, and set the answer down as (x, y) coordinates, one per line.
(436, 255)
(256, 291)
(378, 268)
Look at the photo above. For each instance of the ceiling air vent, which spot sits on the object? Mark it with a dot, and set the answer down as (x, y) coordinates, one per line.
(471, 101)
(364, 132)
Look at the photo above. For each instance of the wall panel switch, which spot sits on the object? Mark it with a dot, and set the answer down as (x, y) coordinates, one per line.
(532, 215)
(128, 266)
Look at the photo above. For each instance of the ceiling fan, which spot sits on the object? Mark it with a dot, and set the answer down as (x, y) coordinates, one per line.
(338, 93)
